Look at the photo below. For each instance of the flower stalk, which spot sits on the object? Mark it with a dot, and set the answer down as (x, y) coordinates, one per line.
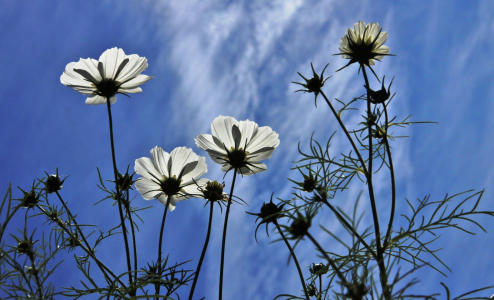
(160, 271)
(222, 263)
(119, 200)
(198, 270)
(292, 253)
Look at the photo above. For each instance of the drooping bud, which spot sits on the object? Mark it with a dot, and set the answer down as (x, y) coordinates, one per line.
(380, 96)
(270, 213)
(300, 226)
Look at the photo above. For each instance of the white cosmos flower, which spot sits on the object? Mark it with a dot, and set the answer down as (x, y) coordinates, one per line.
(364, 44)
(170, 177)
(114, 73)
(241, 145)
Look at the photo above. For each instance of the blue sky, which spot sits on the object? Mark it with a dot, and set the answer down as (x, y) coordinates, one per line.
(238, 58)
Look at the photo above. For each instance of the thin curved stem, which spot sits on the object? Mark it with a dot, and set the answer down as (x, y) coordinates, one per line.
(158, 286)
(362, 162)
(115, 172)
(393, 184)
(302, 280)
(224, 235)
(88, 251)
(331, 262)
(79, 229)
(133, 236)
(369, 177)
(380, 260)
(350, 227)
(198, 270)
(320, 287)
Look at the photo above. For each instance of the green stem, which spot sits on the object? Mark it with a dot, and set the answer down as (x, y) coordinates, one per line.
(87, 250)
(362, 162)
(79, 229)
(158, 286)
(393, 185)
(294, 259)
(350, 227)
(115, 172)
(320, 287)
(198, 270)
(331, 262)
(224, 235)
(133, 236)
(380, 260)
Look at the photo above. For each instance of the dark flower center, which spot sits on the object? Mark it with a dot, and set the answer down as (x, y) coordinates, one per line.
(107, 87)
(237, 157)
(170, 185)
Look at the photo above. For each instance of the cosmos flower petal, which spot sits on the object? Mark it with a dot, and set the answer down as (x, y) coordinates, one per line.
(252, 168)
(248, 130)
(160, 161)
(194, 170)
(262, 154)
(137, 81)
(147, 169)
(112, 59)
(237, 137)
(91, 67)
(130, 91)
(221, 128)
(148, 189)
(133, 68)
(95, 100)
(206, 141)
(265, 137)
(192, 190)
(168, 201)
(218, 157)
(180, 157)
(73, 79)
(226, 168)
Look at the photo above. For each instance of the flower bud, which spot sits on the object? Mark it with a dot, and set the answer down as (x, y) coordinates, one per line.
(213, 191)
(356, 291)
(380, 96)
(270, 213)
(313, 85)
(311, 290)
(25, 247)
(300, 226)
(319, 269)
(53, 184)
(30, 199)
